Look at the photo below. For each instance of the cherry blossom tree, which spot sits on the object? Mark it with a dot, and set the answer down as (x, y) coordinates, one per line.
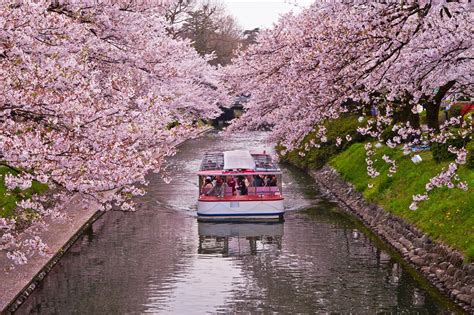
(94, 96)
(335, 58)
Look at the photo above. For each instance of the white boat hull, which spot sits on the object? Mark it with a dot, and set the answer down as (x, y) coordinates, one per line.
(268, 210)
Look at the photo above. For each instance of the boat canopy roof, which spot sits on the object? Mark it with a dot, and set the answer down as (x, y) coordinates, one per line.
(237, 161)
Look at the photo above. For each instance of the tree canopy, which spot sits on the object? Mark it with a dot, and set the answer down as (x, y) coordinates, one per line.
(93, 97)
(335, 58)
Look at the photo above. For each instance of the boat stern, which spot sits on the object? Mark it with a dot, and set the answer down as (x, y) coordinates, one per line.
(228, 210)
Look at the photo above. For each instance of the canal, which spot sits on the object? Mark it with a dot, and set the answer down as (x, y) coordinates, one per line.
(161, 260)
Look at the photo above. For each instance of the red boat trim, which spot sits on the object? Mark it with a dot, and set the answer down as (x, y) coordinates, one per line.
(236, 173)
(271, 214)
(239, 198)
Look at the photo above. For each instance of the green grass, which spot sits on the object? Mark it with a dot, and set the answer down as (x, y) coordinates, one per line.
(317, 158)
(8, 199)
(448, 215)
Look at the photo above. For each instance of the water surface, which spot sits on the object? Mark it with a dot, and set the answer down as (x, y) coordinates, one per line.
(161, 260)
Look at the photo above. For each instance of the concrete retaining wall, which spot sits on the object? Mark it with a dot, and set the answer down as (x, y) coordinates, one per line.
(441, 265)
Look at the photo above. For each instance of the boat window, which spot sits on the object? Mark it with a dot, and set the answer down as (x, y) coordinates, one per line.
(205, 184)
(263, 184)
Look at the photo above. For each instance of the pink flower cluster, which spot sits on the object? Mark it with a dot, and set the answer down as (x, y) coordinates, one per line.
(371, 171)
(446, 178)
(416, 199)
(22, 181)
(393, 165)
(461, 154)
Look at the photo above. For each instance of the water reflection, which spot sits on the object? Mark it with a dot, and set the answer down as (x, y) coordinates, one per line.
(239, 239)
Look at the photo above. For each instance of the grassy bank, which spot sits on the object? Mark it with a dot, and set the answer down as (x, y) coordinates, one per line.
(8, 199)
(447, 216)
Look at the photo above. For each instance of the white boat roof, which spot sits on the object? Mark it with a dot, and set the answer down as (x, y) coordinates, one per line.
(238, 159)
(214, 163)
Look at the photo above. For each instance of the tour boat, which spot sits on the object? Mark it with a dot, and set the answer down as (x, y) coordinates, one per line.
(258, 187)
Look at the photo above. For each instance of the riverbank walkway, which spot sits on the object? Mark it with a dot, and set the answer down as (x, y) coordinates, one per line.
(16, 284)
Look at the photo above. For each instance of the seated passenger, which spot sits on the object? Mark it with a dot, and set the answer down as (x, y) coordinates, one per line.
(257, 181)
(210, 165)
(267, 180)
(273, 181)
(248, 180)
(241, 181)
(207, 185)
(232, 183)
(218, 189)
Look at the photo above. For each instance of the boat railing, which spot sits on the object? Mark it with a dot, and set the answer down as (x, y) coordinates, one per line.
(251, 191)
(265, 190)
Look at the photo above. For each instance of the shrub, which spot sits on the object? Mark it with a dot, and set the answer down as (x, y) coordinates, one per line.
(440, 150)
(454, 111)
(470, 155)
(469, 117)
(172, 124)
(388, 133)
(316, 158)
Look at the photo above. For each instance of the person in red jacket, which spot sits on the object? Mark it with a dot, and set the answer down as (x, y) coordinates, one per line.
(232, 183)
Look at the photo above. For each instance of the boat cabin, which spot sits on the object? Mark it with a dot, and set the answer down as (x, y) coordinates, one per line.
(239, 176)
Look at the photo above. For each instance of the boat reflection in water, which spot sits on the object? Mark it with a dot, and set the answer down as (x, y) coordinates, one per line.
(239, 239)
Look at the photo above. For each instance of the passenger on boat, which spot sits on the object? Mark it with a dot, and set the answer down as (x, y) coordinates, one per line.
(218, 189)
(257, 181)
(207, 186)
(241, 181)
(232, 183)
(273, 181)
(267, 180)
(248, 180)
(211, 165)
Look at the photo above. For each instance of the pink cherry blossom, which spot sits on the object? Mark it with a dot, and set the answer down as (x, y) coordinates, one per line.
(334, 58)
(94, 96)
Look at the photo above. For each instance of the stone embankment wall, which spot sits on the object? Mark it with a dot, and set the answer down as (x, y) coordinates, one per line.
(441, 265)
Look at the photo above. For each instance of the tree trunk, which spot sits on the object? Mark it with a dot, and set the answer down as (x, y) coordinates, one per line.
(414, 120)
(432, 115)
(433, 106)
